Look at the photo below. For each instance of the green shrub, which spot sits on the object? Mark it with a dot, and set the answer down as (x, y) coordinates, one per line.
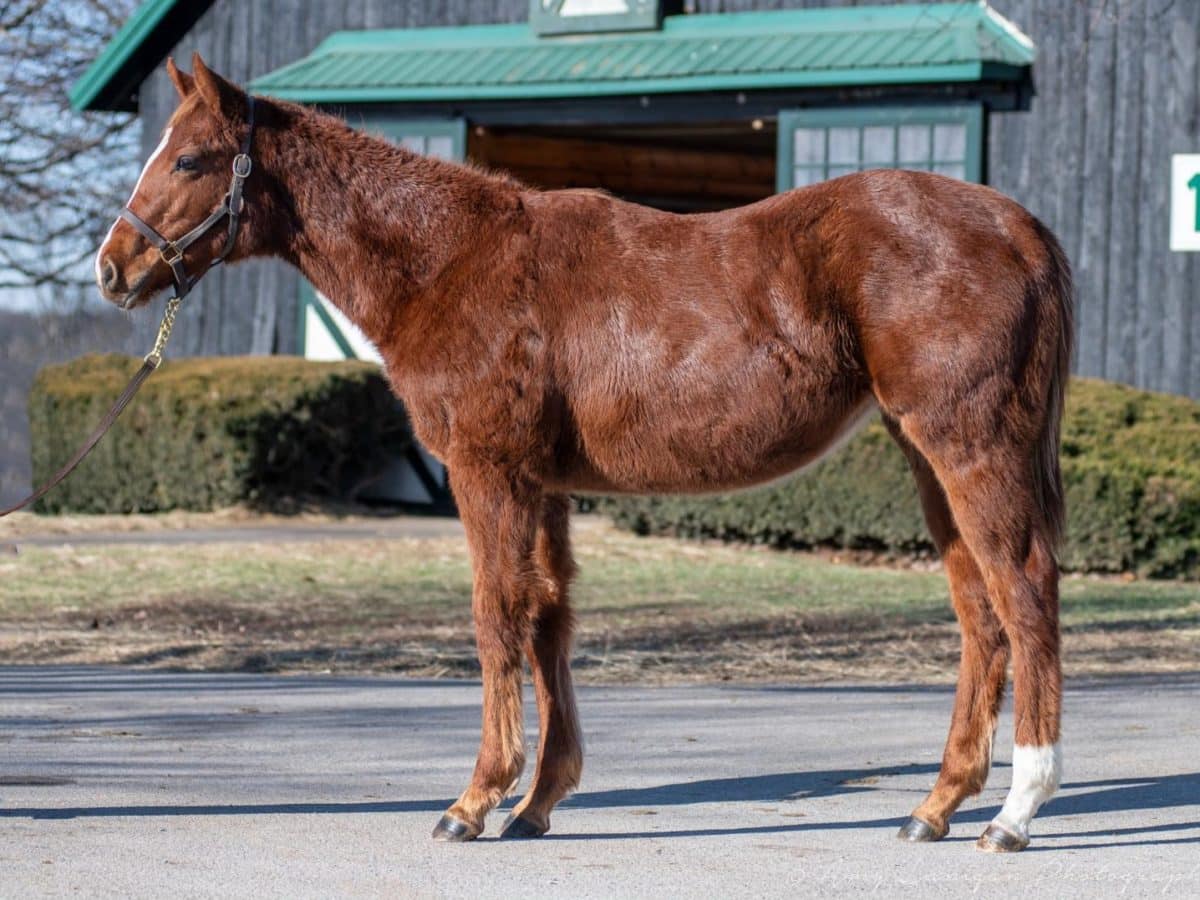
(1131, 470)
(211, 432)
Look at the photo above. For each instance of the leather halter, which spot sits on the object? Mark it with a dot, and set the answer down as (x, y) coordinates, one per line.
(172, 254)
(230, 206)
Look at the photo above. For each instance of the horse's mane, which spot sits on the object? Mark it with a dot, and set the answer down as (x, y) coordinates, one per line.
(361, 144)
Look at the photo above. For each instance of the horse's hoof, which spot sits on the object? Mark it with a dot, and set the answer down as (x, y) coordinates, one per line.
(454, 831)
(918, 831)
(517, 827)
(1000, 840)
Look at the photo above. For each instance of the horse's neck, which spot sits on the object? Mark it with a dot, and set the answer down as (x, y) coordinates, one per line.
(372, 225)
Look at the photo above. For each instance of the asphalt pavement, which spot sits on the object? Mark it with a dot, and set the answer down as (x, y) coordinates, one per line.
(115, 782)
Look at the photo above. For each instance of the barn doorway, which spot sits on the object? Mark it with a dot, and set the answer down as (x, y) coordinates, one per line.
(681, 168)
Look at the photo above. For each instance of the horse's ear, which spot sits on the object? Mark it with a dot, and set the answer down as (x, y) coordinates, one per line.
(184, 83)
(221, 96)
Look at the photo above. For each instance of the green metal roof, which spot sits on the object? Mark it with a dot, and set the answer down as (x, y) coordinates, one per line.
(908, 44)
(113, 79)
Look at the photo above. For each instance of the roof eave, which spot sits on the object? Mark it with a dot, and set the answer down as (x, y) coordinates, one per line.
(111, 81)
(907, 75)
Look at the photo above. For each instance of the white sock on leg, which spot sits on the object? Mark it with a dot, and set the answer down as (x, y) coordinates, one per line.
(1036, 774)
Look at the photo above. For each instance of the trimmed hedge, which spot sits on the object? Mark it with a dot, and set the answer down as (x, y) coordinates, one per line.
(212, 432)
(1131, 469)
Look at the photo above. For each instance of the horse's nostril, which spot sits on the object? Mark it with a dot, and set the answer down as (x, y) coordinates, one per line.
(109, 276)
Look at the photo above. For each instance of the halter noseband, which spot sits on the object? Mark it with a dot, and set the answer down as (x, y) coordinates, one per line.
(231, 206)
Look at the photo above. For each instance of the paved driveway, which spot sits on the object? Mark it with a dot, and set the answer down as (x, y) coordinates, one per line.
(127, 783)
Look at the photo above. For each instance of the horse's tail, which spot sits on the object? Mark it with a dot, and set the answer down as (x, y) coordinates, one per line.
(1056, 294)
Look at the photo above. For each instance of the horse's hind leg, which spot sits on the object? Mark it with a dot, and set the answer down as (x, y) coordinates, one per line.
(1024, 589)
(560, 750)
(982, 668)
(996, 508)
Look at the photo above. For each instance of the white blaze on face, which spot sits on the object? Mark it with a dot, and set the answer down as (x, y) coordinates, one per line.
(1036, 774)
(162, 145)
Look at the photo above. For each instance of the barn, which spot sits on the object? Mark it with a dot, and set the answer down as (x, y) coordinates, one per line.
(1076, 108)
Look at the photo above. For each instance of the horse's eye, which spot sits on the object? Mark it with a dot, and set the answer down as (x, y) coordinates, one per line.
(185, 164)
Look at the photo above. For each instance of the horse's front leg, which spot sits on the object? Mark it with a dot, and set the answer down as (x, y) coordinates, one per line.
(500, 512)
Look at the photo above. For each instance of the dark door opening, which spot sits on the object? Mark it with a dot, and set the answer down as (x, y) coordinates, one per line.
(681, 168)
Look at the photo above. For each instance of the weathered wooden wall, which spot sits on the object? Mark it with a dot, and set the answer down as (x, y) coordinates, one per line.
(1117, 95)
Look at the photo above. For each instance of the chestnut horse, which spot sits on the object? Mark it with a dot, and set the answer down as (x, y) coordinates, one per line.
(546, 342)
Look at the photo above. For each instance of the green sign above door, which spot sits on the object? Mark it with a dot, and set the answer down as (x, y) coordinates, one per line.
(548, 17)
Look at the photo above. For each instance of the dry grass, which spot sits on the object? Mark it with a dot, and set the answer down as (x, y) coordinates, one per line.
(24, 524)
(650, 609)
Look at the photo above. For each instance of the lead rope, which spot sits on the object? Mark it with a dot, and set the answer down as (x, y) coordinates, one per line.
(150, 363)
(231, 206)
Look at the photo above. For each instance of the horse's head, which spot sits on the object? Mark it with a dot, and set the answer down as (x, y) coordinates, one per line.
(183, 182)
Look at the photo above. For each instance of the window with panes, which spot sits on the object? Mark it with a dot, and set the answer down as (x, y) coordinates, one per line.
(819, 144)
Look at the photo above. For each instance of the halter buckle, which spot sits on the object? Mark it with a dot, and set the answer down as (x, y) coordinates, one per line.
(171, 253)
(242, 165)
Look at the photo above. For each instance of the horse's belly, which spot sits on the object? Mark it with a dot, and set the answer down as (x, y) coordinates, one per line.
(680, 455)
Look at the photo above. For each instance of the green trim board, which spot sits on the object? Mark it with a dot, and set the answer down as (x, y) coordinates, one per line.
(111, 82)
(436, 488)
(311, 303)
(781, 49)
(815, 144)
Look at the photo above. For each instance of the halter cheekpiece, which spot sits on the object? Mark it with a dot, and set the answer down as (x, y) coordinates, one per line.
(230, 206)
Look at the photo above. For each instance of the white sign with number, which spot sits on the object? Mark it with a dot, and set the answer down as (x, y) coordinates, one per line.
(1185, 201)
